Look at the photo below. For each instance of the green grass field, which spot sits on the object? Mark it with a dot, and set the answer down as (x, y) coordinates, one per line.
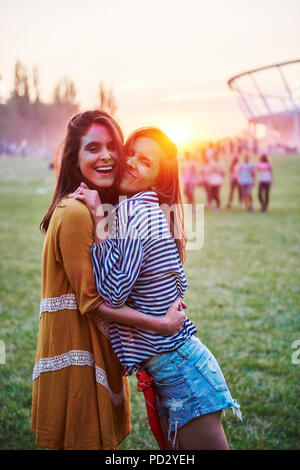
(243, 296)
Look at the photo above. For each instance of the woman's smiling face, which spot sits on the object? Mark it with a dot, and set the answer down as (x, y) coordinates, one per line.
(97, 156)
(142, 166)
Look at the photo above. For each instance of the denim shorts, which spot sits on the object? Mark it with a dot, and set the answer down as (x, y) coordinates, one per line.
(189, 383)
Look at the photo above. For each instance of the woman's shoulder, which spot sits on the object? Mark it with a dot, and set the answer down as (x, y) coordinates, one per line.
(139, 209)
(128, 211)
(138, 202)
(71, 210)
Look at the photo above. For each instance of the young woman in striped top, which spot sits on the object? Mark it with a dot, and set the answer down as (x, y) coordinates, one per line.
(140, 263)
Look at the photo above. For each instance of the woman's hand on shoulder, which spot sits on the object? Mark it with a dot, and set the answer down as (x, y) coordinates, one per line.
(174, 319)
(90, 198)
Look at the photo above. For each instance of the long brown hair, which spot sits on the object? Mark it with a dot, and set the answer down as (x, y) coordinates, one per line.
(69, 174)
(167, 184)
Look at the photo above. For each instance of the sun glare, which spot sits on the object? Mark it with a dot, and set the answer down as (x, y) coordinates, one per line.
(178, 133)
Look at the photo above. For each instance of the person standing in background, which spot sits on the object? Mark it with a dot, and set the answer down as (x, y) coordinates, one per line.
(234, 180)
(246, 180)
(216, 172)
(189, 173)
(265, 181)
(204, 177)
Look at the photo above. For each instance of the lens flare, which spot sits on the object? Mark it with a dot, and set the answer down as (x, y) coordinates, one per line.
(178, 133)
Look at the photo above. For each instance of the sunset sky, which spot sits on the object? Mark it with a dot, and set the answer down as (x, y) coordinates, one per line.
(168, 61)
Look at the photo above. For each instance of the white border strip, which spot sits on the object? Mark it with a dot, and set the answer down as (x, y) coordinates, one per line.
(54, 304)
(68, 302)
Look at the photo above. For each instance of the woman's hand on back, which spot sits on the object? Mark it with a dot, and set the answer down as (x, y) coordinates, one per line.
(174, 319)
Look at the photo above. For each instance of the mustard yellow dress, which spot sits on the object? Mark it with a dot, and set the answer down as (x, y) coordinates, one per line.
(80, 399)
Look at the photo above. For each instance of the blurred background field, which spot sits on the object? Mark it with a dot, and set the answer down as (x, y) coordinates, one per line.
(243, 296)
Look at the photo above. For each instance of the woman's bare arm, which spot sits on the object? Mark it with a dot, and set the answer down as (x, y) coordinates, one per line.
(168, 324)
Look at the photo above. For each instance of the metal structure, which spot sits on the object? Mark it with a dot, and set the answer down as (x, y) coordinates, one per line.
(270, 96)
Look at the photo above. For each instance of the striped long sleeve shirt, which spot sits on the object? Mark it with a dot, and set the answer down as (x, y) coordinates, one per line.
(139, 264)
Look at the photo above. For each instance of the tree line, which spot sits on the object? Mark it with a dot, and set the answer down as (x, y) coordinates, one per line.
(26, 117)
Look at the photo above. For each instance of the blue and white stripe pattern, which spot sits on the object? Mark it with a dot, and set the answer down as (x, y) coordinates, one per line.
(139, 265)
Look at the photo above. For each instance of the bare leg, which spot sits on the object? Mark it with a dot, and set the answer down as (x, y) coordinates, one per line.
(240, 193)
(203, 433)
(247, 201)
(165, 429)
(232, 186)
(260, 196)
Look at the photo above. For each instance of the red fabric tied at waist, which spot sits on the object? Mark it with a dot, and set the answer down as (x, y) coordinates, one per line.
(144, 384)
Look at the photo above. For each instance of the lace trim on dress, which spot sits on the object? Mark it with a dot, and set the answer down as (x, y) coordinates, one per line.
(68, 302)
(101, 378)
(54, 304)
(77, 358)
(102, 325)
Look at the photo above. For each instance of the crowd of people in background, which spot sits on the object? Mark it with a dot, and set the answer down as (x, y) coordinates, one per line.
(24, 149)
(208, 171)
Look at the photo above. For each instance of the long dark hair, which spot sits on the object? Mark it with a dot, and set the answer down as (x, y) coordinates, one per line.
(69, 174)
(167, 184)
